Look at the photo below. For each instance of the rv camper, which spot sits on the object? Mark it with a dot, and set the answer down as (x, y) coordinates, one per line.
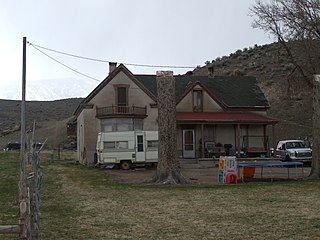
(125, 149)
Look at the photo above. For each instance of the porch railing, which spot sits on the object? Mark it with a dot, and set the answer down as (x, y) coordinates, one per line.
(121, 110)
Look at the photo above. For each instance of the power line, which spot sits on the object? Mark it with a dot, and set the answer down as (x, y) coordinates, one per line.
(70, 68)
(105, 61)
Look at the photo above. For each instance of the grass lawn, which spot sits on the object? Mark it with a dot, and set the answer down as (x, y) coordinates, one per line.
(82, 203)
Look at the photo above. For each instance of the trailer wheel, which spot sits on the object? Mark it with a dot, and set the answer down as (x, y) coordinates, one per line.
(125, 165)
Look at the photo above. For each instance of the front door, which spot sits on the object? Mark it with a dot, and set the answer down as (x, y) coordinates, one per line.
(189, 150)
(140, 147)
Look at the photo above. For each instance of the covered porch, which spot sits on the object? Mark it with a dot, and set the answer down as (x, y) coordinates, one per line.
(211, 134)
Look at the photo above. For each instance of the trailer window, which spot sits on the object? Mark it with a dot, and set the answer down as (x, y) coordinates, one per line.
(109, 145)
(140, 143)
(152, 145)
(115, 145)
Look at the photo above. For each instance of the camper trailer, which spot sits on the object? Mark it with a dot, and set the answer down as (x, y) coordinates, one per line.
(126, 149)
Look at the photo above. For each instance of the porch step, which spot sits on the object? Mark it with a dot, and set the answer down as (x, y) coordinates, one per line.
(189, 163)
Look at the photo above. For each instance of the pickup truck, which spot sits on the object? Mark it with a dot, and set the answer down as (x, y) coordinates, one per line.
(294, 150)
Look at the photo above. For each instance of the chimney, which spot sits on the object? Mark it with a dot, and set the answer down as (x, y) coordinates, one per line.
(112, 66)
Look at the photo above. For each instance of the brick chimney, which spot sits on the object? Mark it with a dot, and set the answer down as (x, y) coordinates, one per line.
(112, 66)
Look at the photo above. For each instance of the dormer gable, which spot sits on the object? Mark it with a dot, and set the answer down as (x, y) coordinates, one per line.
(197, 98)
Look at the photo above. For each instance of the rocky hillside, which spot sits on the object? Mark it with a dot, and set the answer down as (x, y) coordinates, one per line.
(289, 94)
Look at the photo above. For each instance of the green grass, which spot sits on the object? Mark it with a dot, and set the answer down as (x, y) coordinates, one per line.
(9, 176)
(82, 203)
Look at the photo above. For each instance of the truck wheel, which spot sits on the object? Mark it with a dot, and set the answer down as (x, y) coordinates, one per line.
(125, 165)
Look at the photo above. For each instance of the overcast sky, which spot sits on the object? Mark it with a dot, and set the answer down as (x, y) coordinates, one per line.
(156, 32)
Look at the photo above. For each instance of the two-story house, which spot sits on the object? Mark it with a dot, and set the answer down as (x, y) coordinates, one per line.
(214, 115)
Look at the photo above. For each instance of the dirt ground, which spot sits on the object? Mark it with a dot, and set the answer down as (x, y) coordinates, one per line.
(200, 175)
(143, 175)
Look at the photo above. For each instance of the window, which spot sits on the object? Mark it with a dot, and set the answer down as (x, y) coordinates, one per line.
(121, 98)
(137, 124)
(121, 124)
(115, 145)
(109, 145)
(197, 100)
(152, 145)
(140, 143)
(124, 124)
(106, 125)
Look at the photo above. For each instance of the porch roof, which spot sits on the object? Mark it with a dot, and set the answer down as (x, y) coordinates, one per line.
(223, 117)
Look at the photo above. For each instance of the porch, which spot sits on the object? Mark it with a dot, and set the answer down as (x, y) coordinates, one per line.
(208, 135)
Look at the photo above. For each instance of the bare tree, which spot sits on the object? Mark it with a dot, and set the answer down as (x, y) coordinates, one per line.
(288, 21)
(296, 21)
(168, 170)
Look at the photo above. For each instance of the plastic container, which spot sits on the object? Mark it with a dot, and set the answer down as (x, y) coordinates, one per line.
(248, 172)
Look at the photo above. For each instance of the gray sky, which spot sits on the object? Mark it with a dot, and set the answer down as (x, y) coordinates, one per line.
(157, 32)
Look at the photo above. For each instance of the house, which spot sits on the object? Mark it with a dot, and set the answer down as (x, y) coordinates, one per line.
(215, 115)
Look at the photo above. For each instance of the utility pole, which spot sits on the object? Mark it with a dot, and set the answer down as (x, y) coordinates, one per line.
(23, 204)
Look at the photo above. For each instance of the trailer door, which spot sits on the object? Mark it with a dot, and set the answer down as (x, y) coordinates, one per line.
(140, 147)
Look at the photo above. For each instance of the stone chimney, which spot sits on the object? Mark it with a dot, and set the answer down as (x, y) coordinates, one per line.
(112, 66)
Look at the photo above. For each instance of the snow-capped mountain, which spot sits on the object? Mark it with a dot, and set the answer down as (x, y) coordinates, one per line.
(49, 89)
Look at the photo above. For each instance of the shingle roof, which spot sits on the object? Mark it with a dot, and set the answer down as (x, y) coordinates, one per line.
(230, 92)
(235, 91)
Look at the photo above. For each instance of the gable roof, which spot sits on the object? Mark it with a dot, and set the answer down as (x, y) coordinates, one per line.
(227, 91)
(122, 68)
(234, 91)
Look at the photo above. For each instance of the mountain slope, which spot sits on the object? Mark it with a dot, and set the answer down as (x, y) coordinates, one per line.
(289, 95)
(50, 116)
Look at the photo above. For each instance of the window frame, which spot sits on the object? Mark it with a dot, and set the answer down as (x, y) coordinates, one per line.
(195, 96)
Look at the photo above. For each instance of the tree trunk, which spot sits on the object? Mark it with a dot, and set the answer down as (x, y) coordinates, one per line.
(168, 170)
(315, 165)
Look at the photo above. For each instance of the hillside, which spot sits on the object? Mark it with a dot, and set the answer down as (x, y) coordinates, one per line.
(50, 116)
(289, 95)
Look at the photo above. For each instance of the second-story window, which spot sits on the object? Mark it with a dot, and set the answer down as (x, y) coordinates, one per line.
(197, 100)
(122, 98)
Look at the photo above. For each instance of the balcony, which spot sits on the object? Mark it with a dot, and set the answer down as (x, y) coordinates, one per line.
(122, 111)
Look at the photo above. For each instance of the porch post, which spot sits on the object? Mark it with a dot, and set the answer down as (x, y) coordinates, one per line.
(273, 137)
(202, 141)
(264, 138)
(238, 139)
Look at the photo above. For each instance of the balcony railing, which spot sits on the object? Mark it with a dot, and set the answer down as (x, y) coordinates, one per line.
(121, 110)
